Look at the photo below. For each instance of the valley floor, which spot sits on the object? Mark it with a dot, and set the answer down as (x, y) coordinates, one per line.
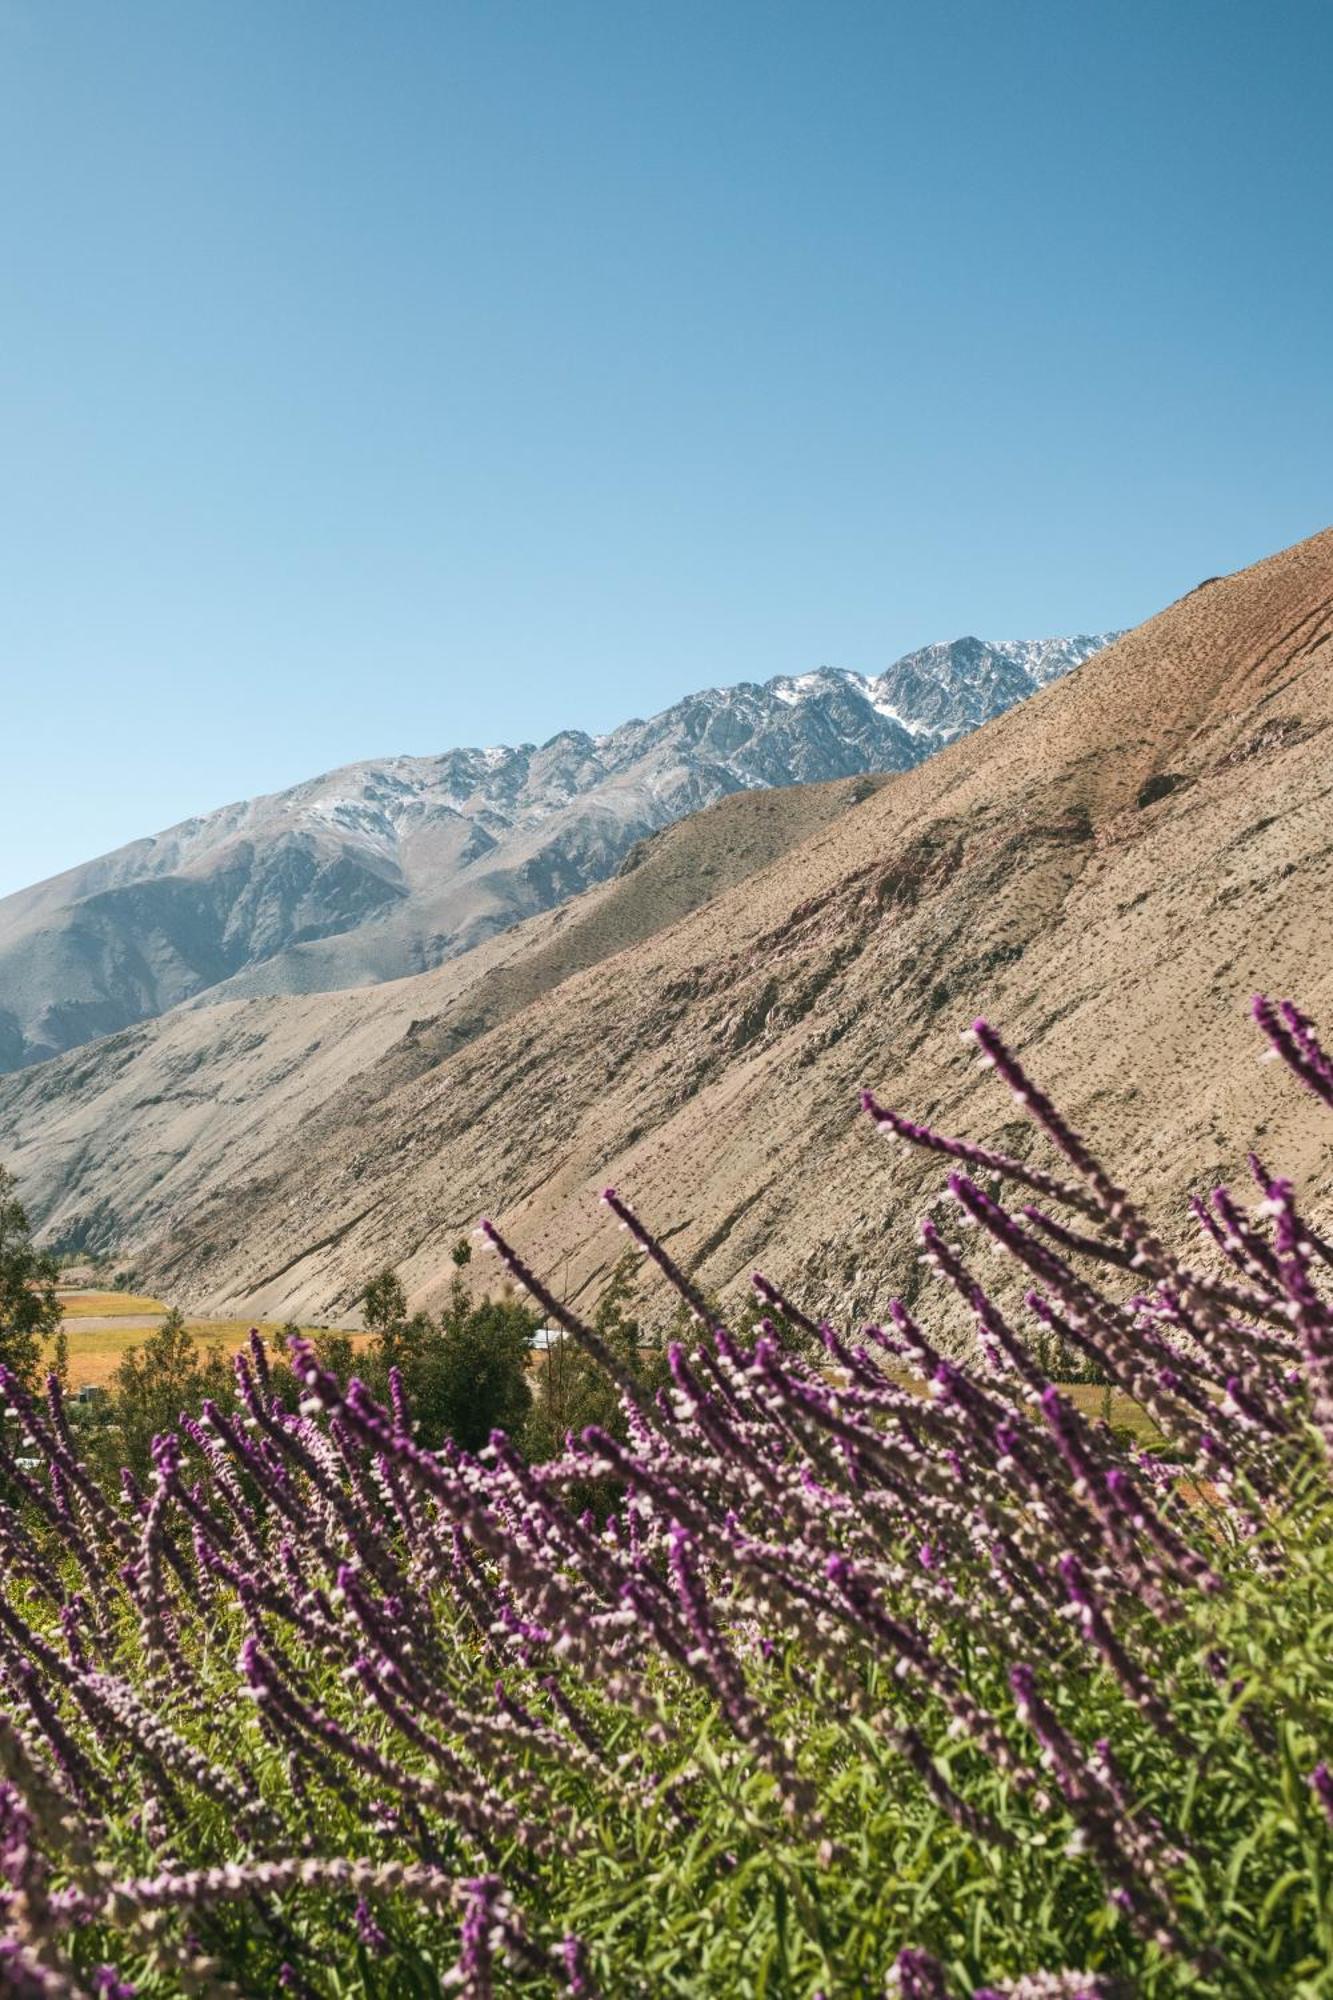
(102, 1327)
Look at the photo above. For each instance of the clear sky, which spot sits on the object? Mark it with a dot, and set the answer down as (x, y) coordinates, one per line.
(383, 375)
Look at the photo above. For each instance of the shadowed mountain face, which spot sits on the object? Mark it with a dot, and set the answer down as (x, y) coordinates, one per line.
(1107, 871)
(387, 868)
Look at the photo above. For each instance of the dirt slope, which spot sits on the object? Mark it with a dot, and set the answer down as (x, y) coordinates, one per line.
(120, 1140)
(1107, 872)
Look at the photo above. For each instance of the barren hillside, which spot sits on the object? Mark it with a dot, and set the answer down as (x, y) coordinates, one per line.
(1107, 872)
(119, 1139)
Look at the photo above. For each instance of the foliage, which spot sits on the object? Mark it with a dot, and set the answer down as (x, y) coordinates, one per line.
(152, 1385)
(476, 1380)
(576, 1388)
(853, 1690)
(96, 1352)
(465, 1373)
(384, 1302)
(29, 1309)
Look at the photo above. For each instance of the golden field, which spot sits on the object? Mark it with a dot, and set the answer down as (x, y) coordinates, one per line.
(97, 1353)
(107, 1305)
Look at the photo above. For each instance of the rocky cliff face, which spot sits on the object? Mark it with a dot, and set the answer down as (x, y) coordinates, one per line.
(387, 868)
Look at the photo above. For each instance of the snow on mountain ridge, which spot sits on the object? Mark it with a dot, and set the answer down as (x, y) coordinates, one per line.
(391, 865)
(1038, 661)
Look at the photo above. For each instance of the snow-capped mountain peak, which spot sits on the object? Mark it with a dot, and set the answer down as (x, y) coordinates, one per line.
(390, 866)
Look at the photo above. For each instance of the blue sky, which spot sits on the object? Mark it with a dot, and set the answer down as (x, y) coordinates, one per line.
(386, 377)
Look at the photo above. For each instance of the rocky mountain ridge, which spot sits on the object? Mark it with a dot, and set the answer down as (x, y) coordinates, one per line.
(1107, 871)
(388, 867)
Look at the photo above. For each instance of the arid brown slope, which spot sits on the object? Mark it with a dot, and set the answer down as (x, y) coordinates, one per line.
(1107, 872)
(116, 1141)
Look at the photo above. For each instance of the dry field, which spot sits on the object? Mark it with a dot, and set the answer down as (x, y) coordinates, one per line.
(96, 1349)
(107, 1305)
(95, 1352)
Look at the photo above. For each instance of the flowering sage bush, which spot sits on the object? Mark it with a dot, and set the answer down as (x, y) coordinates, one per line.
(855, 1690)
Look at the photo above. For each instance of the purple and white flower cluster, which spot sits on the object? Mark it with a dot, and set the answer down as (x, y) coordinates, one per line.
(322, 1698)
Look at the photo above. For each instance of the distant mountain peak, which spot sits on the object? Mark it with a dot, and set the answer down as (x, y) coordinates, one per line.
(389, 866)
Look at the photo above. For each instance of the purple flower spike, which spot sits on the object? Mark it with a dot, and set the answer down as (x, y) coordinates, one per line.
(369, 1932)
(1295, 1041)
(919, 1976)
(1321, 1784)
(479, 1937)
(574, 1957)
(108, 1984)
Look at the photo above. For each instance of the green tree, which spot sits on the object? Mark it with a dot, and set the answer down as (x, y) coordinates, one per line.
(384, 1302)
(743, 1316)
(151, 1387)
(334, 1350)
(466, 1373)
(478, 1370)
(401, 1341)
(29, 1308)
(574, 1390)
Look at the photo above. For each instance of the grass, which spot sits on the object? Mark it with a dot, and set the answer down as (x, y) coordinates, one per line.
(95, 1355)
(1120, 1411)
(107, 1305)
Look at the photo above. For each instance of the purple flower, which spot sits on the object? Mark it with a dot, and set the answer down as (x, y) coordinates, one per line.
(109, 1985)
(918, 1976)
(369, 1932)
(1321, 1784)
(574, 1957)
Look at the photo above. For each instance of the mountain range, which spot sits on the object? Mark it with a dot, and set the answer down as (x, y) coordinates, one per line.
(389, 867)
(1107, 871)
